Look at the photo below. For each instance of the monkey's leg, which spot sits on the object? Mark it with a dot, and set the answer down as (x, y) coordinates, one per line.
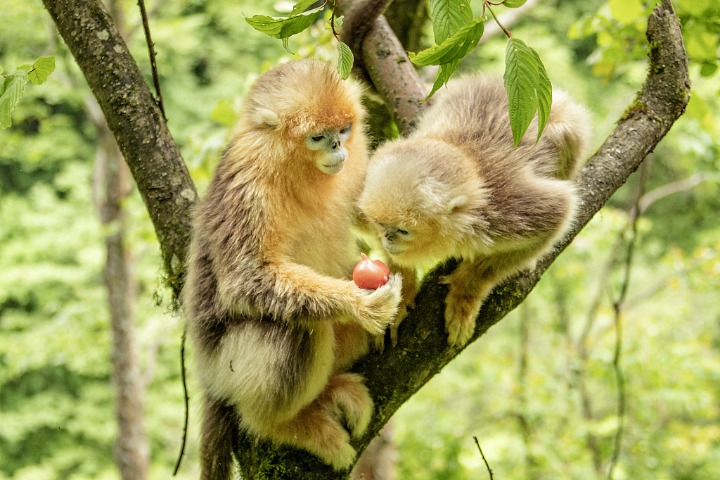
(316, 429)
(471, 283)
(348, 397)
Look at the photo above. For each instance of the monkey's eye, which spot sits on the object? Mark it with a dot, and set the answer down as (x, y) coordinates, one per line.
(317, 138)
(346, 129)
(402, 232)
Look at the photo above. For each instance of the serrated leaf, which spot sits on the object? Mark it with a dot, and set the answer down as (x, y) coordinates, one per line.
(42, 68)
(454, 48)
(521, 82)
(13, 90)
(283, 27)
(345, 60)
(301, 6)
(448, 17)
(444, 74)
(543, 89)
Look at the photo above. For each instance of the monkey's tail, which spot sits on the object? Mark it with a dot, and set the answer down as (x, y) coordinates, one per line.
(220, 424)
(568, 129)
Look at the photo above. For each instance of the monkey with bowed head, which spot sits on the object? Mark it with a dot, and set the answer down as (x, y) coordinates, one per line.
(274, 319)
(457, 188)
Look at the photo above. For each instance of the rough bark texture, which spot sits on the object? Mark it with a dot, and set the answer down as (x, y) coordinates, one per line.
(136, 121)
(422, 351)
(389, 69)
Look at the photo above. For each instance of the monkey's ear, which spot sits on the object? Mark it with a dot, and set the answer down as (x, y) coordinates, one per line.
(458, 202)
(265, 116)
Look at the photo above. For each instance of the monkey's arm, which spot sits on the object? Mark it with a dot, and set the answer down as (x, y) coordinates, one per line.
(473, 280)
(529, 223)
(290, 291)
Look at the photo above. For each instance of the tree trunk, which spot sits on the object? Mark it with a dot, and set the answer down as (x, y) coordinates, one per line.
(136, 122)
(132, 454)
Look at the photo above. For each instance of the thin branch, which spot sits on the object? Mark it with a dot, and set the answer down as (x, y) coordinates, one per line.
(386, 63)
(509, 18)
(487, 465)
(497, 21)
(617, 308)
(183, 375)
(152, 53)
(675, 187)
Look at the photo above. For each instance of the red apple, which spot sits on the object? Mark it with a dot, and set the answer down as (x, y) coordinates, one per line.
(370, 274)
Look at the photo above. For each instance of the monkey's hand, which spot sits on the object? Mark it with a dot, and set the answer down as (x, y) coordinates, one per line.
(376, 309)
(461, 310)
(463, 302)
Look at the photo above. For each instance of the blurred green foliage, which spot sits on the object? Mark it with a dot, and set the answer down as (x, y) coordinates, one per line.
(532, 390)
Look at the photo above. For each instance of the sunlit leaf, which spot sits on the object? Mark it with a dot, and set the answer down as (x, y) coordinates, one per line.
(12, 92)
(42, 68)
(448, 17)
(345, 60)
(444, 74)
(283, 27)
(301, 6)
(528, 88)
(454, 48)
(543, 89)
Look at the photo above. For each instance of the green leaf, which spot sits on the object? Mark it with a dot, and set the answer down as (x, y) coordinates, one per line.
(528, 88)
(345, 60)
(12, 92)
(444, 74)
(514, 3)
(448, 17)
(543, 88)
(453, 48)
(283, 27)
(42, 68)
(626, 11)
(301, 6)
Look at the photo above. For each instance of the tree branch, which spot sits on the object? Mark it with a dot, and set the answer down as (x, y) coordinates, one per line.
(136, 122)
(386, 64)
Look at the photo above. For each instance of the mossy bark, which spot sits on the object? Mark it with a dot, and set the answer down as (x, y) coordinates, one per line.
(136, 122)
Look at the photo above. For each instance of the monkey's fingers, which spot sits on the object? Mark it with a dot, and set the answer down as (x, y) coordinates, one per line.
(460, 314)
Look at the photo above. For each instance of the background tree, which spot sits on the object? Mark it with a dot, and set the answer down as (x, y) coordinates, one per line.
(424, 331)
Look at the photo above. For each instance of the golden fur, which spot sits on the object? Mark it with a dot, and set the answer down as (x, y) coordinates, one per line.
(456, 187)
(271, 311)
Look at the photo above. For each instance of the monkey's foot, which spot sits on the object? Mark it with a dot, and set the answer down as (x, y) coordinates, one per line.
(316, 430)
(349, 398)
